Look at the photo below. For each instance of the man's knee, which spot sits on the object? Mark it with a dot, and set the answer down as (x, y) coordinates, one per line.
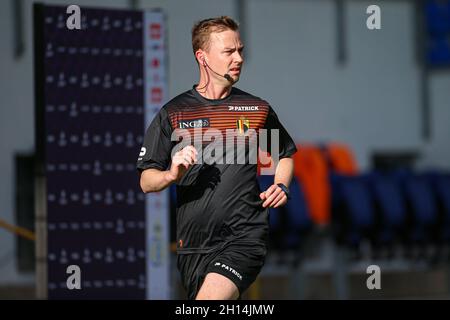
(217, 287)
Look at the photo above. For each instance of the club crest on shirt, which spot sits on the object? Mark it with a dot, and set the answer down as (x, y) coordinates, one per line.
(242, 124)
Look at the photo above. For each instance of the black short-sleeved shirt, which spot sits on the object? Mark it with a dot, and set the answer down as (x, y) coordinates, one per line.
(217, 200)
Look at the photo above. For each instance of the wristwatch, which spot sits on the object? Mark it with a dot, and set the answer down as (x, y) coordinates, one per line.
(285, 189)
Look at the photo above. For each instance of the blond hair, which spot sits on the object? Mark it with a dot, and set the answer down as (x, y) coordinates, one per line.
(202, 30)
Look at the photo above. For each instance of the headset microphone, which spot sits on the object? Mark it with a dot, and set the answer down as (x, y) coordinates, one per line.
(226, 75)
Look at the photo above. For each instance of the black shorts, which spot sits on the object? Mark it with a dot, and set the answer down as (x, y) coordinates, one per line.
(239, 262)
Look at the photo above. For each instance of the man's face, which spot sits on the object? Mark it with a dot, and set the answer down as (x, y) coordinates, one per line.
(225, 54)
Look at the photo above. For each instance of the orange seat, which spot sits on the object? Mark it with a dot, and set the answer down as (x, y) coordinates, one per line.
(341, 158)
(311, 169)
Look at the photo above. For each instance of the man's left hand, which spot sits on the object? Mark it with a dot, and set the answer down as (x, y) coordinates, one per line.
(274, 197)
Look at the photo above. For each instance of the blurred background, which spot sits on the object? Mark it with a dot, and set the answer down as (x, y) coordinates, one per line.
(369, 110)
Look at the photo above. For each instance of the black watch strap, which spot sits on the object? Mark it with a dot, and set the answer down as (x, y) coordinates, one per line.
(285, 189)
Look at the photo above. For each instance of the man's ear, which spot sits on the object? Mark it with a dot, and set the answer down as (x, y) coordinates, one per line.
(201, 57)
(199, 54)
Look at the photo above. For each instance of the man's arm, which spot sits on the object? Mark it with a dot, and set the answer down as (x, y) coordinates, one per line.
(284, 171)
(154, 180)
(274, 196)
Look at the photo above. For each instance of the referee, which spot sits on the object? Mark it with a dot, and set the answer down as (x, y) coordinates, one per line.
(222, 215)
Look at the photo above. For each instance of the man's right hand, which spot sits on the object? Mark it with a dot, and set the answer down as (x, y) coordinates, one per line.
(181, 162)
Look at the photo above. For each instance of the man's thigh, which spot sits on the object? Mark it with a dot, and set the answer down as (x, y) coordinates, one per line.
(237, 263)
(217, 287)
(236, 267)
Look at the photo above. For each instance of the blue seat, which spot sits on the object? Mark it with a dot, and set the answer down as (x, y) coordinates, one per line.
(353, 209)
(440, 183)
(390, 206)
(299, 221)
(292, 222)
(173, 214)
(443, 192)
(173, 194)
(439, 53)
(265, 182)
(422, 207)
(438, 17)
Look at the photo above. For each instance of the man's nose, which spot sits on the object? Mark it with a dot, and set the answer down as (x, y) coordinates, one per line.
(238, 57)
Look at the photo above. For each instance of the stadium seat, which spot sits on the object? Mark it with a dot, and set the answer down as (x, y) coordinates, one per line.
(299, 222)
(311, 170)
(390, 207)
(440, 182)
(422, 207)
(265, 182)
(290, 224)
(340, 158)
(173, 214)
(438, 17)
(353, 209)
